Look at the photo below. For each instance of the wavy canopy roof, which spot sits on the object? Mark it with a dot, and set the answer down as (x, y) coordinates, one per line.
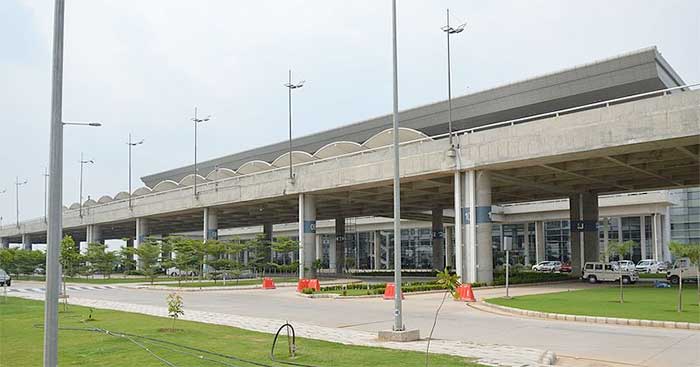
(335, 149)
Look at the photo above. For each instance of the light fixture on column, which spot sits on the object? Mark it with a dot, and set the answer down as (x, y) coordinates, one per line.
(197, 121)
(291, 86)
(83, 162)
(449, 30)
(131, 144)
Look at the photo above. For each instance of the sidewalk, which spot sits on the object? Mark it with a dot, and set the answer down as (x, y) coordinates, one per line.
(487, 354)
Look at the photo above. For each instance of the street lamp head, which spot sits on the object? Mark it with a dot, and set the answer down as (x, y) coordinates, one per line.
(95, 124)
(454, 30)
(295, 86)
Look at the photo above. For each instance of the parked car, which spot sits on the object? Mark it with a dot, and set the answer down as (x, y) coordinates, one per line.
(690, 272)
(664, 266)
(595, 272)
(647, 266)
(565, 268)
(5, 279)
(175, 272)
(547, 266)
(626, 264)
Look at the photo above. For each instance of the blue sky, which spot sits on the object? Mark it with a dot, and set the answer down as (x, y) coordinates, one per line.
(142, 66)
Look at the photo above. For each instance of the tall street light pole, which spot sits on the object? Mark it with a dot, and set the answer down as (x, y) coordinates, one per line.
(291, 86)
(131, 145)
(450, 31)
(46, 180)
(196, 121)
(3, 191)
(17, 185)
(398, 317)
(83, 162)
(55, 208)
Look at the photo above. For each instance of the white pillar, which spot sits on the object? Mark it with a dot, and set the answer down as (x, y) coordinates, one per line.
(655, 236)
(606, 238)
(642, 237)
(94, 234)
(307, 235)
(5, 242)
(619, 230)
(539, 241)
(210, 231)
(449, 247)
(331, 254)
(377, 250)
(319, 250)
(26, 241)
(459, 216)
(666, 237)
(141, 233)
(526, 242)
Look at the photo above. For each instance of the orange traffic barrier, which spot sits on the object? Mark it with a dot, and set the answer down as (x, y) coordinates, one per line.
(390, 291)
(466, 293)
(314, 284)
(268, 283)
(303, 284)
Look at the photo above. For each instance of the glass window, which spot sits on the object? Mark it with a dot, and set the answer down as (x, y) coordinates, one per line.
(598, 266)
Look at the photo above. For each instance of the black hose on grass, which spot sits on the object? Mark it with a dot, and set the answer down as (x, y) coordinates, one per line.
(169, 346)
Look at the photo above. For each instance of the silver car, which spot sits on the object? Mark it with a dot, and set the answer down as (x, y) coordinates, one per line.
(5, 279)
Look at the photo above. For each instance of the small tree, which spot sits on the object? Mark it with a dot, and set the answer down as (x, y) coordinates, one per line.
(70, 256)
(694, 257)
(448, 281)
(620, 249)
(175, 309)
(679, 251)
(285, 245)
(126, 259)
(101, 260)
(149, 255)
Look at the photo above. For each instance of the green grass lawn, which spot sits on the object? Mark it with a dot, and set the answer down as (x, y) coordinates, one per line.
(229, 282)
(20, 342)
(652, 275)
(113, 280)
(641, 302)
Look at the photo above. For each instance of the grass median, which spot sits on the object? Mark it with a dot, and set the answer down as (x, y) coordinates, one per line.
(117, 279)
(21, 341)
(641, 302)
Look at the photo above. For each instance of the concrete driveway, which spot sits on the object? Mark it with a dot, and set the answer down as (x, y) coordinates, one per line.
(579, 344)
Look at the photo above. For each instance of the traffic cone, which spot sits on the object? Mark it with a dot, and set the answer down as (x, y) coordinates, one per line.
(466, 293)
(268, 283)
(303, 284)
(315, 284)
(390, 291)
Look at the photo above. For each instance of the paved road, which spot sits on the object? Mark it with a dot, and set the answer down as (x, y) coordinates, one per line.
(627, 345)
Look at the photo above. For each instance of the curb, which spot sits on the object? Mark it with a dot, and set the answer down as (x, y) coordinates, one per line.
(595, 319)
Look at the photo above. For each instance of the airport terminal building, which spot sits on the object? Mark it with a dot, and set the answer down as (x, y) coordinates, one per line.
(563, 163)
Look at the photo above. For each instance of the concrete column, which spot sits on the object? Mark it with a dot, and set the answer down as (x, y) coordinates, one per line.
(666, 238)
(438, 240)
(339, 245)
(459, 226)
(307, 235)
(471, 222)
(26, 242)
(319, 249)
(657, 237)
(583, 227)
(620, 234)
(141, 234)
(449, 248)
(484, 252)
(94, 234)
(642, 237)
(210, 231)
(606, 238)
(211, 224)
(5, 242)
(267, 237)
(526, 242)
(539, 241)
(331, 254)
(377, 250)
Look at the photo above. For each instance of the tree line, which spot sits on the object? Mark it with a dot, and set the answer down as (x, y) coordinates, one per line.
(155, 255)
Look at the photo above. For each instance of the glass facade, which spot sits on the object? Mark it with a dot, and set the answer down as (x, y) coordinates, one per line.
(685, 217)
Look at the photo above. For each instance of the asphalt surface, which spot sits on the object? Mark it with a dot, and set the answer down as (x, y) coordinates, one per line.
(586, 344)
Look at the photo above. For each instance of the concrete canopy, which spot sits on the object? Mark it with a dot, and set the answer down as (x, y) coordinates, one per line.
(636, 72)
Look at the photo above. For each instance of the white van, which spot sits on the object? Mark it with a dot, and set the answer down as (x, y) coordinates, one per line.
(690, 271)
(595, 272)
